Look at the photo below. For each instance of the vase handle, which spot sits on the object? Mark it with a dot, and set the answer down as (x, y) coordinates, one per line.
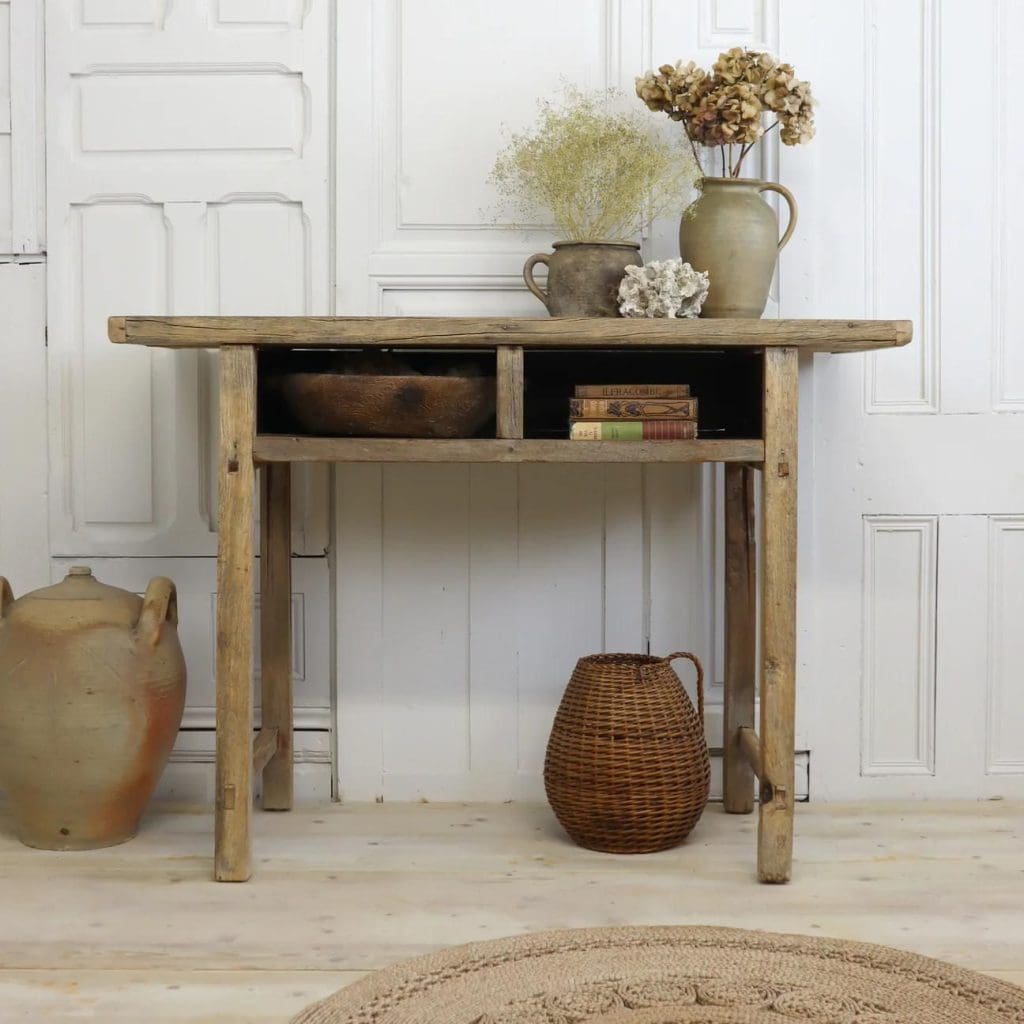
(6, 596)
(540, 257)
(700, 679)
(770, 186)
(159, 605)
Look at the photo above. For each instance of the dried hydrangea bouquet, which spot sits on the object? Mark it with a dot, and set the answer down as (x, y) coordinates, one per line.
(729, 231)
(598, 172)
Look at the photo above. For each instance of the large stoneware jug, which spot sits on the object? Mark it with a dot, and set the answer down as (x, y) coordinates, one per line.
(730, 232)
(92, 688)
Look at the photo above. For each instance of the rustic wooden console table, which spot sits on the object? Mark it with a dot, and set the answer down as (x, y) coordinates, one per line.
(772, 346)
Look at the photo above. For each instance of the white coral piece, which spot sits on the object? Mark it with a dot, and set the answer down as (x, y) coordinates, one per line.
(669, 288)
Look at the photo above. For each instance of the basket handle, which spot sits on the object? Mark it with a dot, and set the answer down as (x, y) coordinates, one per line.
(700, 678)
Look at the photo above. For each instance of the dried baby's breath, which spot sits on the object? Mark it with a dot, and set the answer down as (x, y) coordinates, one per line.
(726, 107)
(596, 172)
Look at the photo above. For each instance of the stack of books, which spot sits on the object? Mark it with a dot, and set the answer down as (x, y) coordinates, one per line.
(632, 412)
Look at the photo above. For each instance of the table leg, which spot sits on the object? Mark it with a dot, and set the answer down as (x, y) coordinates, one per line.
(275, 630)
(740, 634)
(778, 616)
(235, 607)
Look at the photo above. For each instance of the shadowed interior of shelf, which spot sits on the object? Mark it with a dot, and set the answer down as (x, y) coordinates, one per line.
(727, 383)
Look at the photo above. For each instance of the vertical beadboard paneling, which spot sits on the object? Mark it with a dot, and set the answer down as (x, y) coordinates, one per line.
(898, 724)
(680, 556)
(624, 559)
(358, 585)
(493, 636)
(558, 591)
(425, 620)
(903, 174)
(1004, 746)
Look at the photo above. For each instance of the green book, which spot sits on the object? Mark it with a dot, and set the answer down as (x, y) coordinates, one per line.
(633, 430)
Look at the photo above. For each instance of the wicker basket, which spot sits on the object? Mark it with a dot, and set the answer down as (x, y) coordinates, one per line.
(627, 766)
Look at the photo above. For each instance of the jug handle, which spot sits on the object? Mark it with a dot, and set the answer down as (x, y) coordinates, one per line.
(770, 186)
(159, 605)
(540, 257)
(6, 596)
(700, 679)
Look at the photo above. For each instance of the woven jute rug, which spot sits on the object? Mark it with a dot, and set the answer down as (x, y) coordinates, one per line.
(671, 976)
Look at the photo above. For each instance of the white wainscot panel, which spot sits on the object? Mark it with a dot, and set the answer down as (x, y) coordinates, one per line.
(725, 23)
(240, 13)
(1005, 743)
(172, 111)
(425, 616)
(122, 264)
(259, 256)
(123, 13)
(559, 592)
(435, 190)
(195, 579)
(1008, 257)
(898, 726)
(902, 59)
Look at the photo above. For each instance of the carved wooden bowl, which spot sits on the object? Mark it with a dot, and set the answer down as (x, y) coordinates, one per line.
(372, 405)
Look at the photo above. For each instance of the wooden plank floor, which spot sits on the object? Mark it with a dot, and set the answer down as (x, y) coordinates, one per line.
(138, 932)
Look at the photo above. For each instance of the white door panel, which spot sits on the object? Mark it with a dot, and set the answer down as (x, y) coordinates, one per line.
(907, 686)
(188, 155)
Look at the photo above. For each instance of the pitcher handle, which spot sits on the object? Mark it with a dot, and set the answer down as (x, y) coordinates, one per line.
(540, 257)
(159, 606)
(6, 596)
(770, 186)
(700, 679)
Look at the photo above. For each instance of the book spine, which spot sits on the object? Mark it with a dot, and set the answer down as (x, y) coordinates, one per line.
(634, 430)
(632, 409)
(632, 391)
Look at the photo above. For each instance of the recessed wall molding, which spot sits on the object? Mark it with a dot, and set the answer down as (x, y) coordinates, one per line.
(1008, 351)
(413, 212)
(898, 642)
(908, 381)
(1004, 745)
(230, 191)
(752, 24)
(259, 14)
(218, 111)
(123, 13)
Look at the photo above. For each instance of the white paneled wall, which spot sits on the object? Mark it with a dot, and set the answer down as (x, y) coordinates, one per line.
(909, 197)
(465, 595)
(289, 156)
(188, 149)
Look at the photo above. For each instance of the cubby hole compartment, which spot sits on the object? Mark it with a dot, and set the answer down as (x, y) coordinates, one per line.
(273, 417)
(726, 383)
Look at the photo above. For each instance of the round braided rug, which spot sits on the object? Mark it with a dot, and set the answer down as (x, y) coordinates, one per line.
(671, 976)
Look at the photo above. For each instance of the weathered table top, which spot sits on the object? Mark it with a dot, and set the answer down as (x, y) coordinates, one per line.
(476, 332)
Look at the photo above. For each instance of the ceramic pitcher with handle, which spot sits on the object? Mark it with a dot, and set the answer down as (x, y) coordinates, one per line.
(583, 277)
(733, 234)
(92, 689)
